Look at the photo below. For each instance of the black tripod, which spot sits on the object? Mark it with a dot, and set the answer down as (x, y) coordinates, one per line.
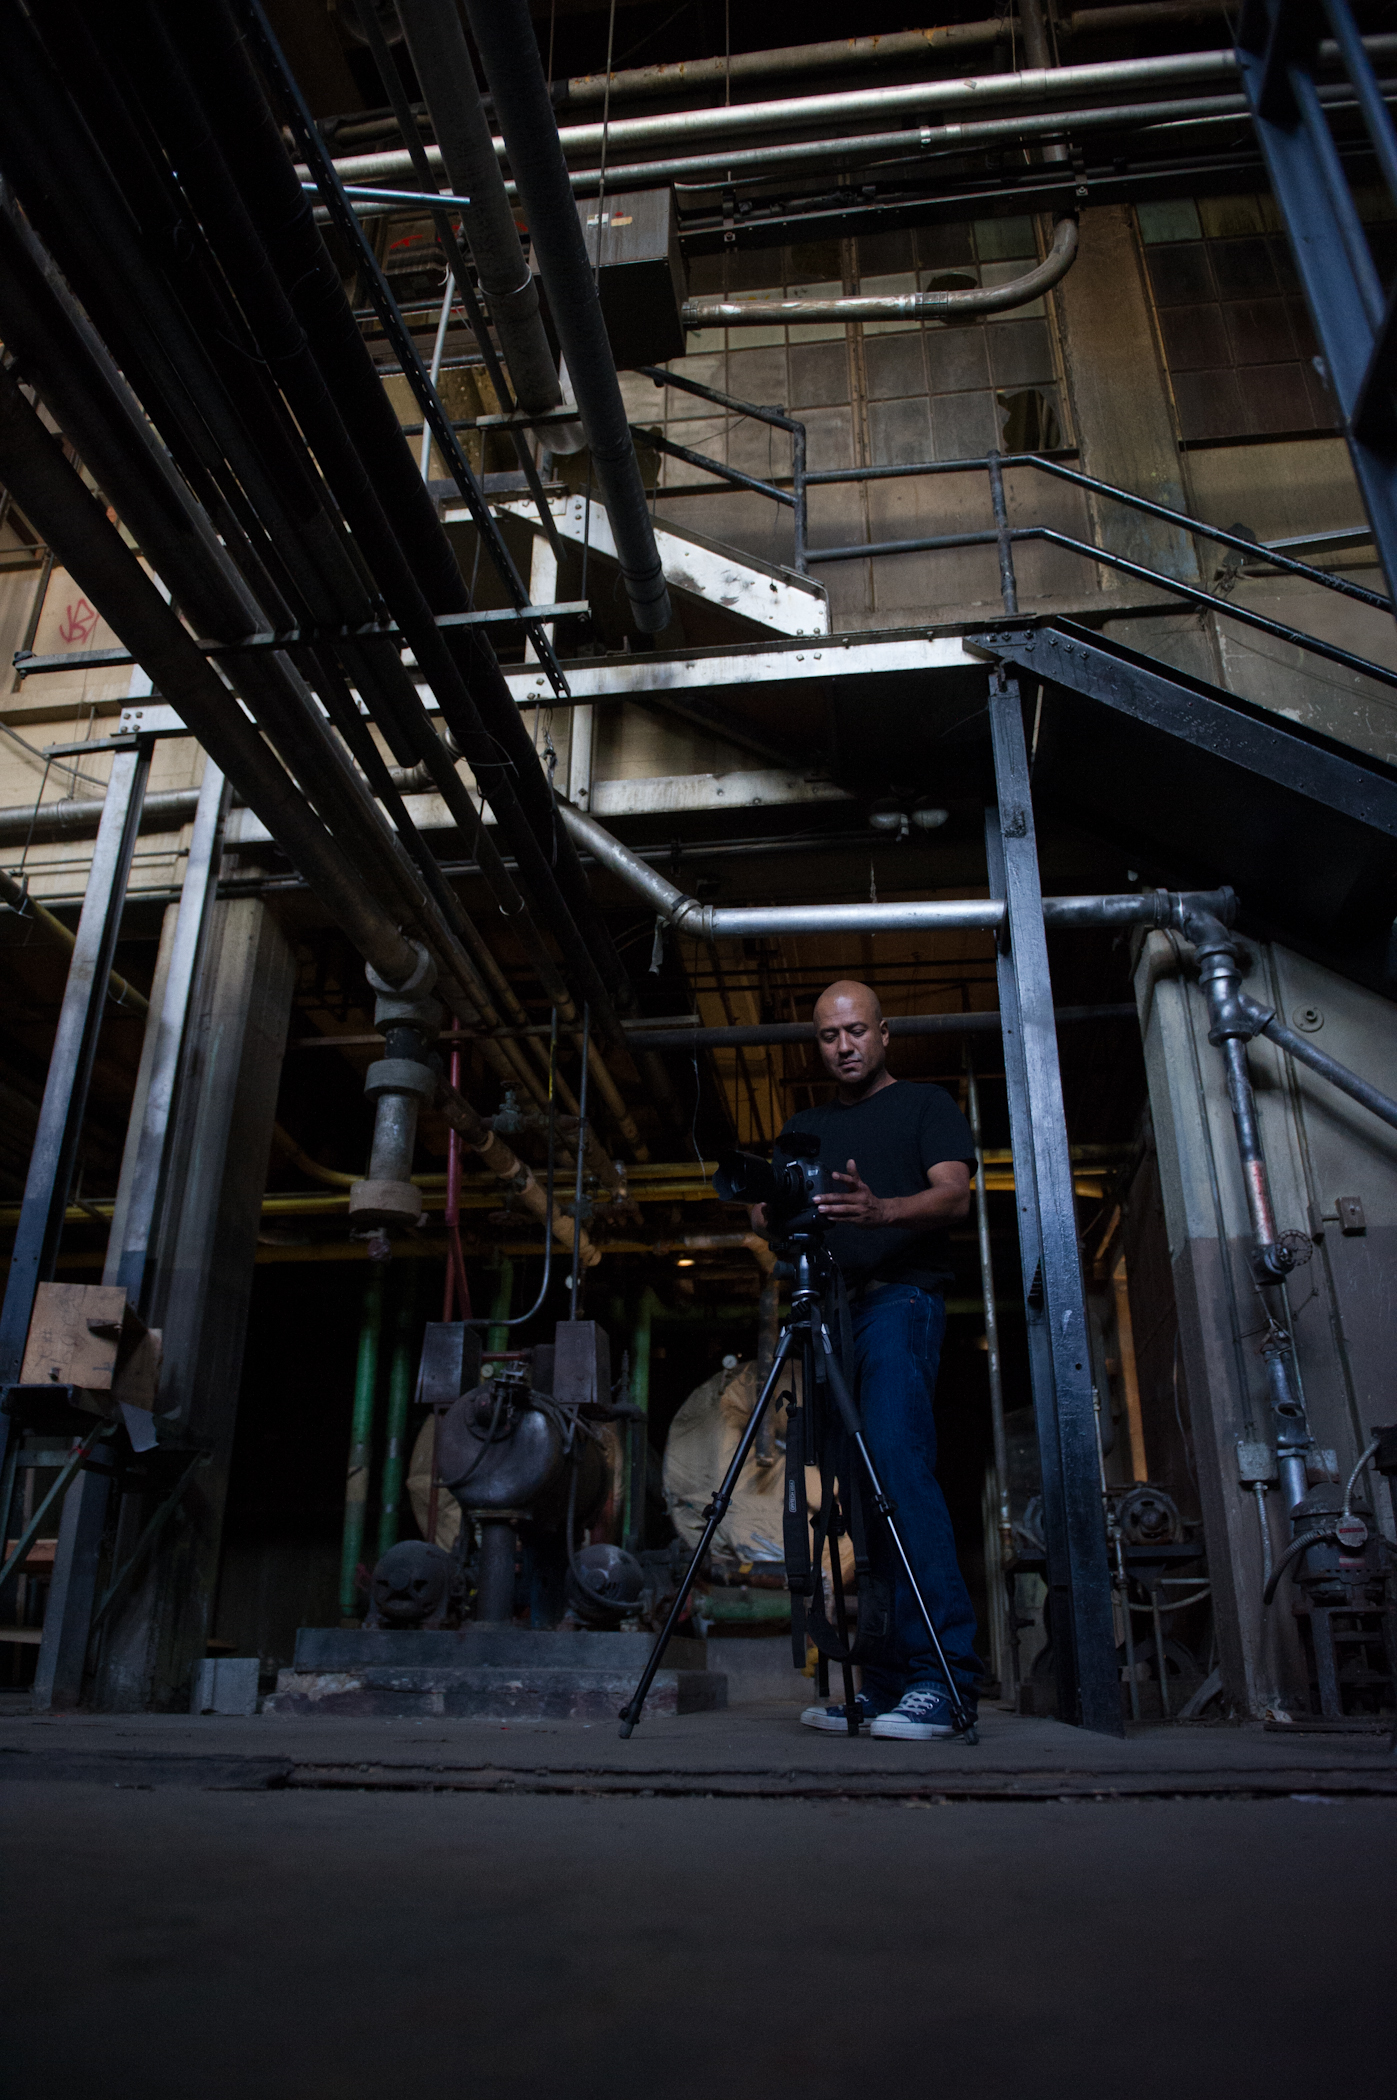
(821, 1373)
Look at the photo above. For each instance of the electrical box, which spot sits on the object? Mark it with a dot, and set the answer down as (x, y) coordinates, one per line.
(633, 244)
(582, 1364)
(450, 1362)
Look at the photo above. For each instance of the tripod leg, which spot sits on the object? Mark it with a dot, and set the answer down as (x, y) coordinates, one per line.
(841, 1620)
(714, 1514)
(885, 1508)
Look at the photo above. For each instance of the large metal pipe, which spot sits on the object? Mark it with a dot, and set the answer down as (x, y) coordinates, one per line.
(437, 44)
(54, 498)
(713, 170)
(1064, 88)
(718, 922)
(691, 75)
(913, 306)
(504, 36)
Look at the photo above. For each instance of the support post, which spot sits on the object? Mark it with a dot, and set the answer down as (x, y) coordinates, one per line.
(68, 1616)
(399, 1394)
(199, 1289)
(54, 1157)
(356, 1479)
(147, 1140)
(1079, 1583)
(1005, 1603)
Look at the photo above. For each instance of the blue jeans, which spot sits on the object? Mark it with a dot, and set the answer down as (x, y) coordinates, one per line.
(898, 1333)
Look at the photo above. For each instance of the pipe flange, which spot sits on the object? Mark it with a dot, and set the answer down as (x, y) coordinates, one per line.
(385, 1203)
(392, 1010)
(401, 1075)
(417, 986)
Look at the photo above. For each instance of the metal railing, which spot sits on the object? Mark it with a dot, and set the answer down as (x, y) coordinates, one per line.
(1003, 536)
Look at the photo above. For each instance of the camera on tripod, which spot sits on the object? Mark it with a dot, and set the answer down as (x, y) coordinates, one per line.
(787, 1183)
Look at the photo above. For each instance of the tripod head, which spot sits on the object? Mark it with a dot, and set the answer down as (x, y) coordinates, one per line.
(787, 1184)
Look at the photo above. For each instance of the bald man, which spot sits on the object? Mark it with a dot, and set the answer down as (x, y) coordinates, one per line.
(901, 1157)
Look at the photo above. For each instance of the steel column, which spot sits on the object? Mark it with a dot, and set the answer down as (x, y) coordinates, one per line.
(1079, 1580)
(1277, 50)
(54, 1157)
(129, 1249)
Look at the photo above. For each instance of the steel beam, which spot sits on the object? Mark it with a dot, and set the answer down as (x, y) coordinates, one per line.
(1079, 1579)
(147, 1142)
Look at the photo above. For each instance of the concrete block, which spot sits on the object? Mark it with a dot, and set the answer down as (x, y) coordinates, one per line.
(226, 1684)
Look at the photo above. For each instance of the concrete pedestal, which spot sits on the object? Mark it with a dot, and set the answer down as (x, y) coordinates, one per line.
(489, 1673)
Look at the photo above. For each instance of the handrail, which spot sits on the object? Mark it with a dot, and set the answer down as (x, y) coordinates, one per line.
(1003, 535)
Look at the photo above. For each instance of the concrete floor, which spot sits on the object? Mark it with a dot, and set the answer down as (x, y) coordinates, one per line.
(291, 1910)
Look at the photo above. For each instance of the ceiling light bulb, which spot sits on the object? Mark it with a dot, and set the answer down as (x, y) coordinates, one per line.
(685, 1261)
(929, 819)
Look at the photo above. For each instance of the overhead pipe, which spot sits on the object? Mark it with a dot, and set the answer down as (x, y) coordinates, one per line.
(495, 1156)
(89, 396)
(504, 36)
(718, 922)
(91, 399)
(906, 306)
(685, 75)
(425, 183)
(712, 170)
(711, 75)
(442, 62)
(1062, 87)
(17, 897)
(53, 496)
(415, 565)
(392, 695)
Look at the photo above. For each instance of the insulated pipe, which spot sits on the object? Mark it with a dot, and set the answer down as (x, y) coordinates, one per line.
(504, 36)
(17, 897)
(712, 169)
(55, 499)
(908, 306)
(687, 75)
(496, 1157)
(710, 922)
(437, 44)
(1062, 87)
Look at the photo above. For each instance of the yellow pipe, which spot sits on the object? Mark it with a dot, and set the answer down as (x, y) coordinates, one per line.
(291, 1205)
(19, 900)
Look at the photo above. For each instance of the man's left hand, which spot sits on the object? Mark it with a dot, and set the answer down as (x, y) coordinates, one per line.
(855, 1204)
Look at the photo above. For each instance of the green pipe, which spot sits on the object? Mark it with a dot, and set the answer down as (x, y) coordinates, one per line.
(356, 1484)
(504, 1298)
(399, 1394)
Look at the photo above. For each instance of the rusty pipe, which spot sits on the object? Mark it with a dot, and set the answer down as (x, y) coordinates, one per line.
(495, 1156)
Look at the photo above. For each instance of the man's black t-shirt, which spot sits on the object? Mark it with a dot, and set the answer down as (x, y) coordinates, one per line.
(894, 1136)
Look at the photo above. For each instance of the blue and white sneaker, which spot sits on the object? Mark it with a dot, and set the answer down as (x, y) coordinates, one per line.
(922, 1714)
(833, 1720)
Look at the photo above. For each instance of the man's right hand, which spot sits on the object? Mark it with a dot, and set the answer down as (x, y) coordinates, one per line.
(758, 1216)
